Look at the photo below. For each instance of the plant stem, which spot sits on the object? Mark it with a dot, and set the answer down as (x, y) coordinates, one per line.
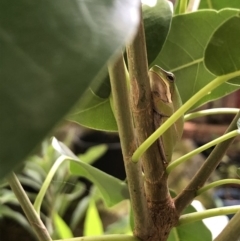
(111, 237)
(184, 108)
(209, 3)
(193, 5)
(214, 111)
(123, 117)
(28, 208)
(218, 183)
(160, 204)
(231, 231)
(141, 106)
(186, 157)
(182, 6)
(196, 216)
(188, 194)
(46, 183)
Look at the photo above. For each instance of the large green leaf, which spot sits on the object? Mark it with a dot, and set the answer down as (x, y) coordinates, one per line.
(97, 114)
(157, 20)
(183, 52)
(222, 53)
(112, 189)
(196, 231)
(50, 52)
(219, 4)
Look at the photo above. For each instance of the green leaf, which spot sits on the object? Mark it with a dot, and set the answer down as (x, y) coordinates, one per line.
(93, 224)
(183, 52)
(50, 53)
(112, 189)
(222, 53)
(219, 4)
(97, 101)
(102, 89)
(196, 231)
(97, 114)
(93, 153)
(62, 228)
(157, 20)
(39, 199)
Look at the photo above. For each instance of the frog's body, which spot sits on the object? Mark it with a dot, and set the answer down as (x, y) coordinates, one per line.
(166, 100)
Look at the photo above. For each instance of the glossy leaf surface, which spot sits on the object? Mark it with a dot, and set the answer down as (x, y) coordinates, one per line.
(222, 53)
(97, 114)
(157, 22)
(183, 52)
(50, 53)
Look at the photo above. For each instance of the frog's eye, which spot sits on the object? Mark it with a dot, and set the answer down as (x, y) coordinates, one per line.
(170, 77)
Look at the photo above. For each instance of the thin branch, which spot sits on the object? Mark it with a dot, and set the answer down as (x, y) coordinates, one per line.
(200, 131)
(213, 111)
(28, 208)
(188, 194)
(196, 216)
(218, 183)
(111, 237)
(196, 151)
(123, 116)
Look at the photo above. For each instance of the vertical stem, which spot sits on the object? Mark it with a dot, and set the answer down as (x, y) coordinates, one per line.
(182, 6)
(209, 3)
(28, 208)
(160, 204)
(123, 116)
(193, 5)
(141, 106)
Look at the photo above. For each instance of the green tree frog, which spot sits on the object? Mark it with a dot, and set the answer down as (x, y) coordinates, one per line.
(166, 100)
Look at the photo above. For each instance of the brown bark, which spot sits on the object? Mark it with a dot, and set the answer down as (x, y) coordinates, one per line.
(160, 205)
